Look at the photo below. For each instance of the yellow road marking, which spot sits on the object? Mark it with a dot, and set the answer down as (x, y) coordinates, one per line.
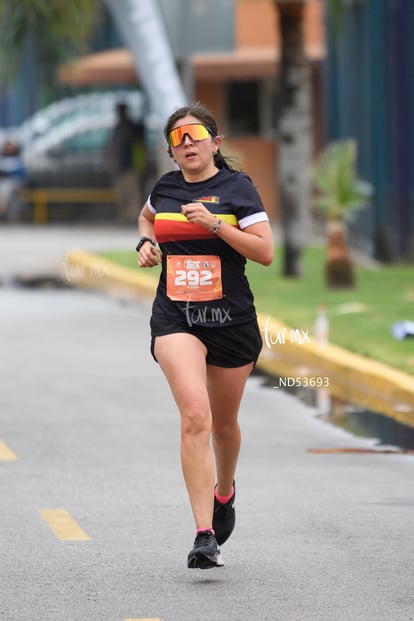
(63, 525)
(6, 454)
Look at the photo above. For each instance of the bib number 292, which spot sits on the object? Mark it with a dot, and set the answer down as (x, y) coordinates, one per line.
(195, 277)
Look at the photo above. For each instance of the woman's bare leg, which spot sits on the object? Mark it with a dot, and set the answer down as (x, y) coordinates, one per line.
(225, 389)
(182, 358)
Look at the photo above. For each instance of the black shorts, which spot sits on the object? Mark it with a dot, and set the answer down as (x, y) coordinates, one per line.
(230, 346)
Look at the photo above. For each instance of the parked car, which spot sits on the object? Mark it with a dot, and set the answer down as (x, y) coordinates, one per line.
(69, 108)
(73, 155)
(66, 145)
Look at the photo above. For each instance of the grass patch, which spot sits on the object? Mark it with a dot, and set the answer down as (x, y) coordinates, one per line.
(360, 319)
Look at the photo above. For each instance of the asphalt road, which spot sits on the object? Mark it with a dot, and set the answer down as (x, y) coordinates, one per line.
(94, 520)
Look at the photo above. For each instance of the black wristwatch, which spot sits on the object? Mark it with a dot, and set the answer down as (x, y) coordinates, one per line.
(142, 241)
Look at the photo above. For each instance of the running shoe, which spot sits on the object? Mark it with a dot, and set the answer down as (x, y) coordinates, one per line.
(224, 518)
(205, 553)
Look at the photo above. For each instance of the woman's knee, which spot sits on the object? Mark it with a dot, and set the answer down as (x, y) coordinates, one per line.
(224, 430)
(195, 420)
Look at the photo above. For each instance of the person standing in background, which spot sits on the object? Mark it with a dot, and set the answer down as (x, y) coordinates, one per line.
(127, 153)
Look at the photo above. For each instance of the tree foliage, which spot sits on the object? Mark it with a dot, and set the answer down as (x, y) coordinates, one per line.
(335, 178)
(50, 29)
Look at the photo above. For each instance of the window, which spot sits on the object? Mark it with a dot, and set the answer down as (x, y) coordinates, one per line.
(243, 107)
(252, 107)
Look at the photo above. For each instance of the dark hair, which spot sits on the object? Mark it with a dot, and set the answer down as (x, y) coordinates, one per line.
(205, 117)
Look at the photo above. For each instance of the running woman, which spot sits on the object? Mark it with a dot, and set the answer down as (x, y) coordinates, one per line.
(202, 222)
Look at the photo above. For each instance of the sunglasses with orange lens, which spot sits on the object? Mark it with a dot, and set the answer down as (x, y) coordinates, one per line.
(196, 132)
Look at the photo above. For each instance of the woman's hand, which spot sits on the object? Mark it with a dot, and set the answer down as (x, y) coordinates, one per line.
(198, 214)
(149, 255)
(255, 242)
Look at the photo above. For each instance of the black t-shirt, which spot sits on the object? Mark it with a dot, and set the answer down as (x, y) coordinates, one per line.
(231, 197)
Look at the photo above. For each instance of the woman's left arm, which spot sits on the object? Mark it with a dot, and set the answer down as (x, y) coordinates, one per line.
(255, 242)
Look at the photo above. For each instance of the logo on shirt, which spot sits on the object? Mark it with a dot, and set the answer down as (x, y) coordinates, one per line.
(208, 199)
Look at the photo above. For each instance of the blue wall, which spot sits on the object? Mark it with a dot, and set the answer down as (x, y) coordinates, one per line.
(370, 71)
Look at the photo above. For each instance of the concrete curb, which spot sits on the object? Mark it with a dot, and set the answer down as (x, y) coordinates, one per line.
(347, 376)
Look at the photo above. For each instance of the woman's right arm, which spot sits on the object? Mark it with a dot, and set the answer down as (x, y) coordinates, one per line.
(149, 255)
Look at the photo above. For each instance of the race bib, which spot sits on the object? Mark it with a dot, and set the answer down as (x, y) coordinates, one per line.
(196, 278)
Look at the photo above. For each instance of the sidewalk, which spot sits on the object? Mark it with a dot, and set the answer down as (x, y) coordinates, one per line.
(31, 250)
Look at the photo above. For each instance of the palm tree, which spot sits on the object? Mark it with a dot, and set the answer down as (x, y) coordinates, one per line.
(295, 135)
(339, 192)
